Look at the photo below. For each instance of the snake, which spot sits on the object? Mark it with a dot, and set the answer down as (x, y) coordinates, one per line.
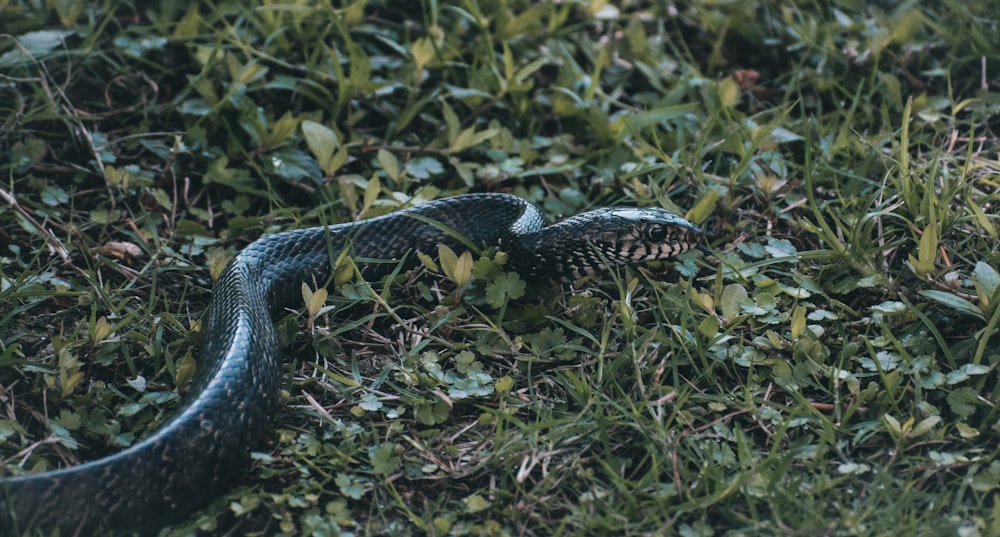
(204, 448)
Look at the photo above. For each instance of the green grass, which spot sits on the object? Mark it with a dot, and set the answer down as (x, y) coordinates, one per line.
(832, 370)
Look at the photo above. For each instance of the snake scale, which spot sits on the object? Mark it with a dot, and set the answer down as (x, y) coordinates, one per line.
(204, 448)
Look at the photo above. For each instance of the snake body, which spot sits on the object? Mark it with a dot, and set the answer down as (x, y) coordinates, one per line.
(204, 448)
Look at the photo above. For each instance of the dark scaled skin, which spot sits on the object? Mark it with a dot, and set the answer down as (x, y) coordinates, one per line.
(204, 448)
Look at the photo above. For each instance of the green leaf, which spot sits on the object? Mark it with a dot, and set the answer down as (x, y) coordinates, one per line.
(890, 307)
(464, 360)
(442, 525)
(361, 67)
(546, 341)
(982, 219)
(206, 89)
(504, 384)
(372, 190)
(965, 372)
(448, 259)
(322, 142)
(925, 426)
(451, 121)
(384, 460)
(963, 401)
(965, 431)
(33, 47)
(709, 327)
(129, 409)
(188, 25)
(955, 302)
(314, 300)
(729, 92)
(350, 486)
(631, 123)
(70, 420)
(69, 371)
(423, 52)
(923, 263)
(733, 297)
(893, 425)
(431, 413)
(54, 195)
(782, 135)
(987, 283)
(295, 165)
(186, 368)
(424, 168)
(798, 324)
(779, 248)
(704, 206)
(428, 262)
(526, 71)
(476, 503)
(469, 138)
(9, 428)
(100, 330)
(457, 268)
(704, 300)
(505, 287)
(389, 164)
(281, 130)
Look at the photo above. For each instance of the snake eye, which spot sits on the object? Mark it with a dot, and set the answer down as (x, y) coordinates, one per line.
(656, 233)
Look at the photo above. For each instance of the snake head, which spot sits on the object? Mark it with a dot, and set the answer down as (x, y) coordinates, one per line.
(597, 240)
(630, 235)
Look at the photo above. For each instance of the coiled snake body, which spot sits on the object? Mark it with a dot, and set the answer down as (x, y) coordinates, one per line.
(204, 448)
